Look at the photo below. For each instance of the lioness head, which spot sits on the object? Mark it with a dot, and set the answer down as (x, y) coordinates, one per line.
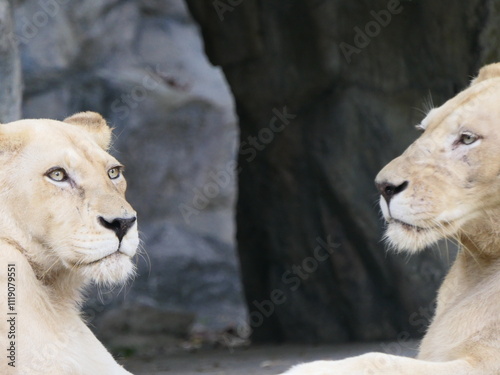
(447, 183)
(62, 198)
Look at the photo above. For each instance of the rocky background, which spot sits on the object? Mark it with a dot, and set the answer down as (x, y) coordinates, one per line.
(141, 65)
(326, 92)
(354, 78)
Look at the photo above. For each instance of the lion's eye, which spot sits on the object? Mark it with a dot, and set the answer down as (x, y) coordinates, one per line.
(114, 173)
(468, 138)
(57, 174)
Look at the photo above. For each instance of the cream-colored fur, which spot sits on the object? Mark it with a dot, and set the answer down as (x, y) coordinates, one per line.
(447, 185)
(62, 213)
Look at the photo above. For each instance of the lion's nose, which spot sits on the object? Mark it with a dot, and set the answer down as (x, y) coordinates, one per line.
(118, 225)
(389, 190)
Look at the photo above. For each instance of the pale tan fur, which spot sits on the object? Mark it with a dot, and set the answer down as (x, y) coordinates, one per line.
(51, 230)
(453, 191)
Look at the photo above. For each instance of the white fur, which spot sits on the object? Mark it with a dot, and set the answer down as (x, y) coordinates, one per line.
(50, 230)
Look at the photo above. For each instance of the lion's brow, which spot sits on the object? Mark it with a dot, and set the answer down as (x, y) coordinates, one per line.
(443, 115)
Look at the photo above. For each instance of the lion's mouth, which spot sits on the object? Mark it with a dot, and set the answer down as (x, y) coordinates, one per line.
(442, 226)
(409, 227)
(115, 254)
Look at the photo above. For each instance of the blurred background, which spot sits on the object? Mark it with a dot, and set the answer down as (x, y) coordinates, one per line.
(252, 131)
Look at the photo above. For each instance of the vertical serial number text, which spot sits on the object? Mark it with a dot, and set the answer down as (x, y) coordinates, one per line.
(11, 314)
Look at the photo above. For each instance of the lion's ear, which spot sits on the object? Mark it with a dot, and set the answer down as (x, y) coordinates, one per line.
(487, 72)
(95, 124)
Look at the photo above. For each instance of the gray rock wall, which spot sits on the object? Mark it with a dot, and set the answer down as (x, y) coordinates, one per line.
(141, 64)
(10, 67)
(352, 75)
(326, 93)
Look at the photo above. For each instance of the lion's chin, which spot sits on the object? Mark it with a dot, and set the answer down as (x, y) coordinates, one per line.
(404, 237)
(112, 270)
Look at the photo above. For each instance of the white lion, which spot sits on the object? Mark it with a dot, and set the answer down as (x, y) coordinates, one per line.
(447, 185)
(64, 222)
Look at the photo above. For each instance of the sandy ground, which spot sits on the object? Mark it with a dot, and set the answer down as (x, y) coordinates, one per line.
(256, 360)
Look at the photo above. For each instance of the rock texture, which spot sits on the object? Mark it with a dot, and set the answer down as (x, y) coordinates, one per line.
(10, 67)
(351, 76)
(141, 64)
